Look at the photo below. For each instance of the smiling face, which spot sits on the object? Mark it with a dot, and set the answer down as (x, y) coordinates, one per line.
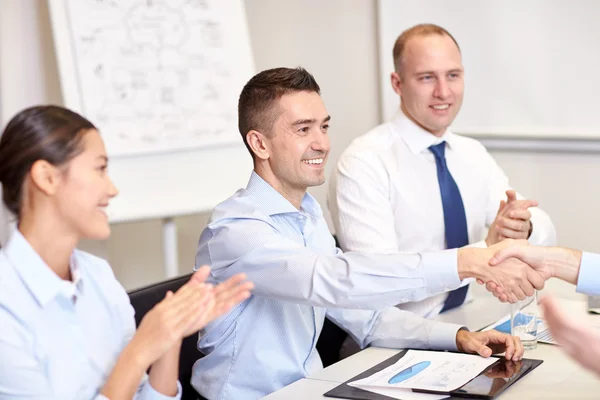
(84, 189)
(430, 82)
(292, 156)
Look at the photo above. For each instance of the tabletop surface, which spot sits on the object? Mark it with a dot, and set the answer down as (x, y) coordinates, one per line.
(557, 378)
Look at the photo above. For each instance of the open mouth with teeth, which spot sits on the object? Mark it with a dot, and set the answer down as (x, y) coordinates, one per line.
(441, 107)
(314, 161)
(102, 209)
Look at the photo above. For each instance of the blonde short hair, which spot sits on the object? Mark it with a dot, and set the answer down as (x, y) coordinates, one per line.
(416, 31)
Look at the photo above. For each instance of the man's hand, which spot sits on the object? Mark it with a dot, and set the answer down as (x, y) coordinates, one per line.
(549, 262)
(580, 342)
(513, 220)
(511, 279)
(489, 342)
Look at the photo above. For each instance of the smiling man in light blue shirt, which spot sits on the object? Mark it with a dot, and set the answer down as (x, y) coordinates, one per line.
(274, 231)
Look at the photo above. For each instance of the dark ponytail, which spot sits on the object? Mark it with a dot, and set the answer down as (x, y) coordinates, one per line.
(49, 133)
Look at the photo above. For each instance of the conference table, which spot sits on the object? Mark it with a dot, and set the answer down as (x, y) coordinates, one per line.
(558, 377)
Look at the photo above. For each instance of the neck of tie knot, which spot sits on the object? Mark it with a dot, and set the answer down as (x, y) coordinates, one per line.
(438, 150)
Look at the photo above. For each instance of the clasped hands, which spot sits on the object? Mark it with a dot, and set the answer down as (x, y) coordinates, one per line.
(186, 311)
(508, 272)
(513, 219)
(512, 275)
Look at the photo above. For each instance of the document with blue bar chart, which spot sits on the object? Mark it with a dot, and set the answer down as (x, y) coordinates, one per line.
(426, 370)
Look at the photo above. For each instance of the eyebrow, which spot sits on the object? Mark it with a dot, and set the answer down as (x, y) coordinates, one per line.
(433, 72)
(309, 121)
(103, 158)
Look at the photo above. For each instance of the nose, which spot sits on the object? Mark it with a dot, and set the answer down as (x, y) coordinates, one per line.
(112, 189)
(320, 142)
(442, 90)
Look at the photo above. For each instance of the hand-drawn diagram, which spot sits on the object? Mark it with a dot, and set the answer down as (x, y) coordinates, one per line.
(160, 75)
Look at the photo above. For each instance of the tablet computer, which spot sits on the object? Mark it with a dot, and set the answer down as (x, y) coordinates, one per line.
(487, 385)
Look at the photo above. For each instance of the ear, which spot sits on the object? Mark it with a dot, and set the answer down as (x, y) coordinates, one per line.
(258, 144)
(396, 82)
(45, 176)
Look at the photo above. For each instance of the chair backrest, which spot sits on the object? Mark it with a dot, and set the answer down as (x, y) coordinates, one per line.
(147, 297)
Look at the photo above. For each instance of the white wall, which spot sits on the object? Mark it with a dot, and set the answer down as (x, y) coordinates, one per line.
(316, 35)
(515, 83)
(27, 66)
(335, 41)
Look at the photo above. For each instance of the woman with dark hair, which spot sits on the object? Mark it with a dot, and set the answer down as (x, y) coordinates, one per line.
(67, 329)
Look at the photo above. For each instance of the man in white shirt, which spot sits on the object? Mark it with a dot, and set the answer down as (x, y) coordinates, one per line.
(412, 185)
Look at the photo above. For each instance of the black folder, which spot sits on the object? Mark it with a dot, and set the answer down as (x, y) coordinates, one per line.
(471, 390)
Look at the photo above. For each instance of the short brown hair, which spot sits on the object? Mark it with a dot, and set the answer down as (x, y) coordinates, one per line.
(257, 104)
(415, 31)
(49, 133)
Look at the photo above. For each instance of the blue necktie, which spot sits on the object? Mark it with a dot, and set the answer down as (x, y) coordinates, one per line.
(455, 220)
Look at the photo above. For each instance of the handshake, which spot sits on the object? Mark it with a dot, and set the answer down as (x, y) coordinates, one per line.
(511, 269)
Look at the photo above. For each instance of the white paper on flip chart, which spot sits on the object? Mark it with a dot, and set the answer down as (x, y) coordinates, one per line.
(428, 370)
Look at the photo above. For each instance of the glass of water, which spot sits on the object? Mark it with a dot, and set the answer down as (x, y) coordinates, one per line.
(523, 321)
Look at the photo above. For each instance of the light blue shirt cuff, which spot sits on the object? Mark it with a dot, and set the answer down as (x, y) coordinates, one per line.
(588, 281)
(443, 336)
(149, 393)
(441, 270)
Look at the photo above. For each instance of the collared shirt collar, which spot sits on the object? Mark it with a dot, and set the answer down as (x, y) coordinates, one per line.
(39, 278)
(417, 138)
(272, 202)
(75, 273)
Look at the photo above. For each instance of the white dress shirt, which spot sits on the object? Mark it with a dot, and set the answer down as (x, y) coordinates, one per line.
(384, 195)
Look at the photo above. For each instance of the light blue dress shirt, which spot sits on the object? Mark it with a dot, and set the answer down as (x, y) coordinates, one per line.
(588, 281)
(59, 340)
(268, 341)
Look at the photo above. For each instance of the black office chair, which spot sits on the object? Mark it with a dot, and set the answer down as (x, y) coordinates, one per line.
(331, 339)
(142, 301)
